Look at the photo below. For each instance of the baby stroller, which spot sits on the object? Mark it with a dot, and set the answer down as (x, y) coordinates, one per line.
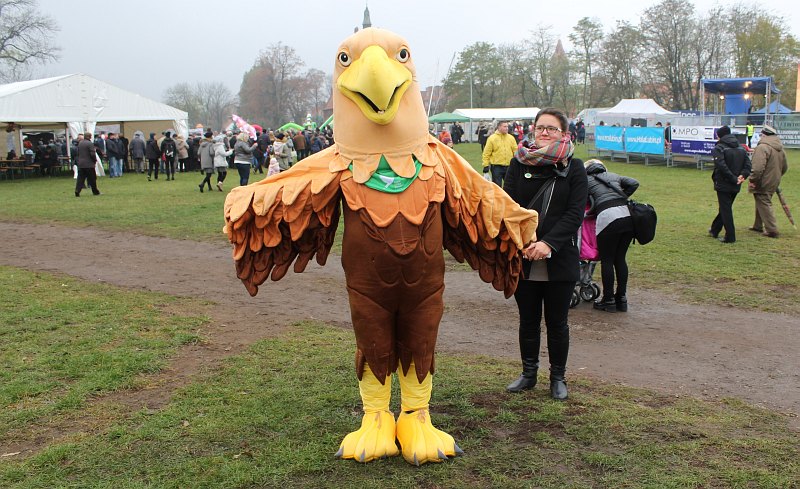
(586, 288)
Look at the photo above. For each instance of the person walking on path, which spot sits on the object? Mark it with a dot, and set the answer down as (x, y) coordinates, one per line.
(731, 168)
(86, 161)
(769, 166)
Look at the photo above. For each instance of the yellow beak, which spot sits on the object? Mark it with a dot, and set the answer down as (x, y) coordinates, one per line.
(376, 84)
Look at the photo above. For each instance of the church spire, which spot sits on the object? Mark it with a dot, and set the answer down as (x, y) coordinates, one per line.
(367, 22)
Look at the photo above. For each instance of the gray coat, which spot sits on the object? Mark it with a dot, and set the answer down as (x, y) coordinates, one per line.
(243, 152)
(204, 151)
(137, 147)
(87, 154)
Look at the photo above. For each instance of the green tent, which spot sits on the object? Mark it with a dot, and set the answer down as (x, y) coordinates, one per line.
(291, 125)
(447, 117)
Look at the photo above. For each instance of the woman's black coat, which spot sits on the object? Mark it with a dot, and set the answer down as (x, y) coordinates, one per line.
(559, 228)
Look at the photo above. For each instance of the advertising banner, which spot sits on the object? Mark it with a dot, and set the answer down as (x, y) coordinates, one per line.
(649, 140)
(788, 127)
(693, 140)
(609, 138)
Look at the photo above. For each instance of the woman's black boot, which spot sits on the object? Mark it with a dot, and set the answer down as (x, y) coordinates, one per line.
(608, 305)
(526, 381)
(558, 386)
(621, 302)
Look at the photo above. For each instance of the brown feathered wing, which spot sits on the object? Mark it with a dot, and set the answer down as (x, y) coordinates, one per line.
(483, 225)
(285, 218)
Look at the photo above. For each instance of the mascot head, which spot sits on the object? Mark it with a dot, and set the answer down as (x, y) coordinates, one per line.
(376, 98)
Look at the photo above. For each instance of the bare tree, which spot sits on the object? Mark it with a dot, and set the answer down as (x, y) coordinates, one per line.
(210, 104)
(270, 88)
(26, 38)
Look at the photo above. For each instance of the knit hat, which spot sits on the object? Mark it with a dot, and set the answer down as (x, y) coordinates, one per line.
(208, 134)
(723, 131)
(768, 130)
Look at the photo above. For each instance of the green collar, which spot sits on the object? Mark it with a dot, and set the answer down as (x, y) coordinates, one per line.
(386, 180)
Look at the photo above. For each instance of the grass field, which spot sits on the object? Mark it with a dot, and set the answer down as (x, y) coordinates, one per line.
(755, 272)
(274, 415)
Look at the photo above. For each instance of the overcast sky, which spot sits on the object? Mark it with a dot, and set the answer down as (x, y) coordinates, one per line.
(148, 46)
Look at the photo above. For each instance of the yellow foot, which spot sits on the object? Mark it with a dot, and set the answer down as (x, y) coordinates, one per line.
(375, 439)
(421, 442)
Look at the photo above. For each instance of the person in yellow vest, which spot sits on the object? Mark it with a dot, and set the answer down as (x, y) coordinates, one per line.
(751, 129)
(497, 154)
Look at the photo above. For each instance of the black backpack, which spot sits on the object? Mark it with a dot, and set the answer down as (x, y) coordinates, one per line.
(169, 148)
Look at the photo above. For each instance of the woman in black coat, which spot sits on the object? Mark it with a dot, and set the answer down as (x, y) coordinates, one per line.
(547, 179)
(608, 196)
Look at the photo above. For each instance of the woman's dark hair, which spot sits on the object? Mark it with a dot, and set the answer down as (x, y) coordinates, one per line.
(557, 113)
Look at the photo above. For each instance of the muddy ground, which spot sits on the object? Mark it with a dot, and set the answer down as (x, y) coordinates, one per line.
(697, 350)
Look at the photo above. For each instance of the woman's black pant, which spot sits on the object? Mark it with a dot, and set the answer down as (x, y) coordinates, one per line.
(244, 173)
(221, 174)
(552, 299)
(612, 246)
(152, 165)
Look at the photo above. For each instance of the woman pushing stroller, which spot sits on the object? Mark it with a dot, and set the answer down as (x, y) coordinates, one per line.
(608, 197)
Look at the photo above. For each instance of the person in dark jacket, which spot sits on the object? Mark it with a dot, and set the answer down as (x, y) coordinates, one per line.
(115, 155)
(608, 199)
(86, 159)
(170, 151)
(153, 154)
(731, 168)
(545, 177)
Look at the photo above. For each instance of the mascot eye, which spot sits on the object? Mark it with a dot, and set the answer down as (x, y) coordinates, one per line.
(403, 55)
(344, 59)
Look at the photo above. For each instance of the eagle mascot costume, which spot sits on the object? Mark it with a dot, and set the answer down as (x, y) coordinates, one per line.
(405, 196)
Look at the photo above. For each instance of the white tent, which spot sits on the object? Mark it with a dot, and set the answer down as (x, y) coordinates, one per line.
(635, 108)
(79, 102)
(503, 114)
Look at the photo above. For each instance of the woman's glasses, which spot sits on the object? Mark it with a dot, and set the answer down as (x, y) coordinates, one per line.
(547, 129)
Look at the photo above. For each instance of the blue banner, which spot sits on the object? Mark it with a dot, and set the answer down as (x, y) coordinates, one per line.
(608, 138)
(649, 140)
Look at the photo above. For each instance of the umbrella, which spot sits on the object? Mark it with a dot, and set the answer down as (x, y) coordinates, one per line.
(786, 208)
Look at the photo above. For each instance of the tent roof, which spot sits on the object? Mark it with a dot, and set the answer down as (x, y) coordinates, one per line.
(78, 98)
(503, 114)
(447, 117)
(775, 108)
(757, 84)
(636, 107)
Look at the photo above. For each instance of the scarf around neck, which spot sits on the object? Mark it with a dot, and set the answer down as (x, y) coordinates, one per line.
(556, 153)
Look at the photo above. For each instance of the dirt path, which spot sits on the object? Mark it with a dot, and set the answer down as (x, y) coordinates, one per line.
(698, 350)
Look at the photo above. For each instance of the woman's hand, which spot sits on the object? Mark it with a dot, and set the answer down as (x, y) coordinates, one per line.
(537, 251)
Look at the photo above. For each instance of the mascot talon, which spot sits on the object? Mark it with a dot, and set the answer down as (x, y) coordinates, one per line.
(375, 438)
(404, 197)
(420, 441)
